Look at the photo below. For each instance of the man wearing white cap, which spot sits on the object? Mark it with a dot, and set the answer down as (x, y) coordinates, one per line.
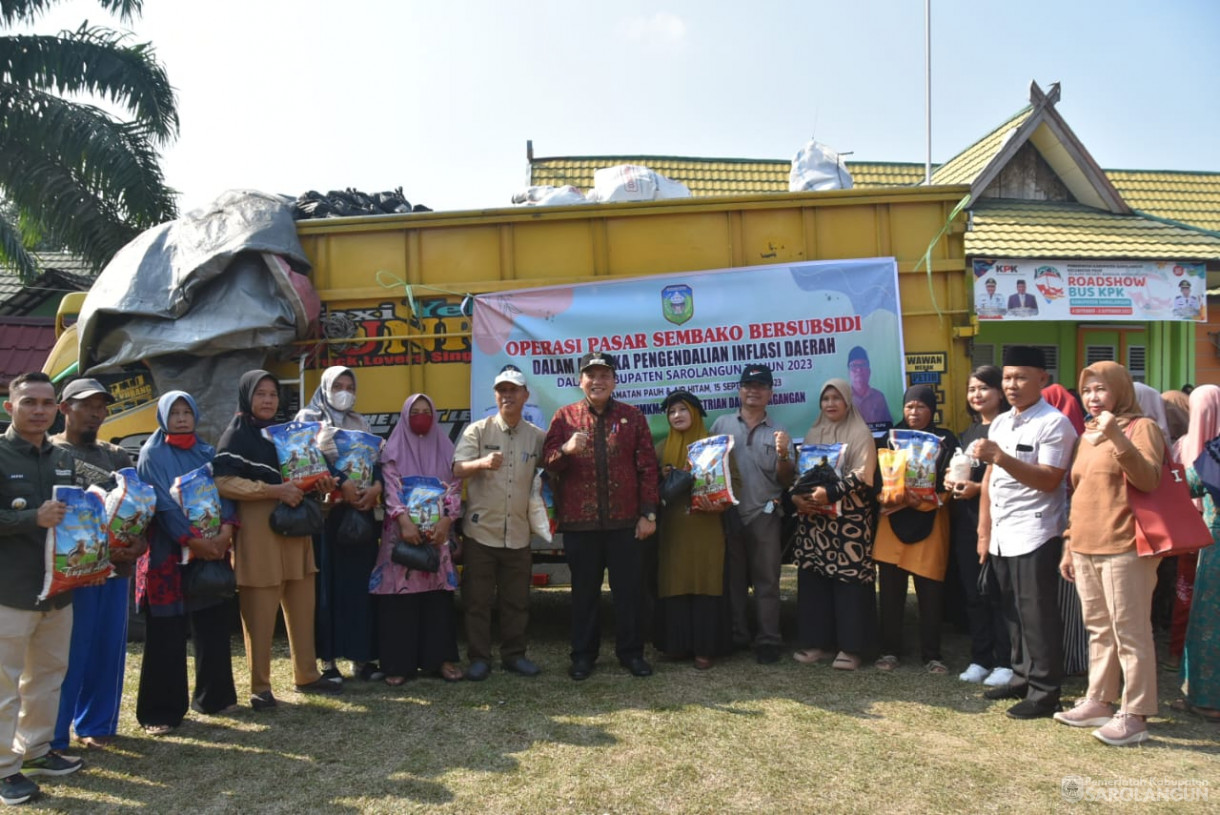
(498, 456)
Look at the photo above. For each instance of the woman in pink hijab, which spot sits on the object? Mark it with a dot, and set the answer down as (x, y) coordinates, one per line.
(415, 608)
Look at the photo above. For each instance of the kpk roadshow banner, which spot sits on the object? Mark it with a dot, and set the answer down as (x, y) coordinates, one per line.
(1082, 290)
(696, 331)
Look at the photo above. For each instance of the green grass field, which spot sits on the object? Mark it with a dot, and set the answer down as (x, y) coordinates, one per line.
(784, 738)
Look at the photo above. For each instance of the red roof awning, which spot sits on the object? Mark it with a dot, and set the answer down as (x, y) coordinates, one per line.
(25, 343)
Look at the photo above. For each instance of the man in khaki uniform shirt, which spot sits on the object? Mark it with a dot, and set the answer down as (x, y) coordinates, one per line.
(498, 456)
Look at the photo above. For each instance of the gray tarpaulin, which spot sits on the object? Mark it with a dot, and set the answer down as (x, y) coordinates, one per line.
(201, 300)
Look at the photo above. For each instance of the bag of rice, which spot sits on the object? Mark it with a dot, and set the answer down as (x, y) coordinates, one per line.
(129, 508)
(818, 465)
(542, 507)
(196, 493)
(353, 452)
(893, 464)
(923, 449)
(296, 444)
(78, 548)
(709, 466)
(424, 498)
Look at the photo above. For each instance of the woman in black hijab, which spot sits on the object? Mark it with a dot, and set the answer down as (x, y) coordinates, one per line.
(273, 571)
(913, 542)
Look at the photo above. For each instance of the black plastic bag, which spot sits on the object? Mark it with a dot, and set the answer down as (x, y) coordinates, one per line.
(209, 580)
(356, 528)
(303, 520)
(422, 558)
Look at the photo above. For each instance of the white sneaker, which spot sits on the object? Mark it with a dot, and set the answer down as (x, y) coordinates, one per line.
(999, 678)
(975, 673)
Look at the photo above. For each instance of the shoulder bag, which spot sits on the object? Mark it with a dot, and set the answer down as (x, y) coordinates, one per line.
(1166, 520)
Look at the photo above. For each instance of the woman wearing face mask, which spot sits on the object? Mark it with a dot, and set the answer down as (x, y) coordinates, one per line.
(692, 617)
(417, 631)
(990, 647)
(345, 620)
(171, 614)
(836, 609)
(1119, 448)
(273, 571)
(913, 542)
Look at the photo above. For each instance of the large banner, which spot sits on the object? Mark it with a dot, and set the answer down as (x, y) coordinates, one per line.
(808, 321)
(1084, 290)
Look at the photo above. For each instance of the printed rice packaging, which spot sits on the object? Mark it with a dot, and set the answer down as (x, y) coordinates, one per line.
(296, 445)
(352, 452)
(709, 466)
(424, 498)
(923, 449)
(819, 465)
(196, 493)
(130, 506)
(78, 547)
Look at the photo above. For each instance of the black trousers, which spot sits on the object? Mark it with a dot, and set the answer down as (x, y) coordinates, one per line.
(589, 555)
(416, 632)
(989, 642)
(834, 615)
(162, 695)
(1029, 589)
(930, 595)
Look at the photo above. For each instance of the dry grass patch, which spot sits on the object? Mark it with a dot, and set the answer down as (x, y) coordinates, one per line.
(738, 738)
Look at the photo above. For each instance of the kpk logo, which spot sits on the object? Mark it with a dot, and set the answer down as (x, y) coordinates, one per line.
(677, 304)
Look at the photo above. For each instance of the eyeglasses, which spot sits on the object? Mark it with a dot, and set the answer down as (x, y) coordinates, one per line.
(858, 366)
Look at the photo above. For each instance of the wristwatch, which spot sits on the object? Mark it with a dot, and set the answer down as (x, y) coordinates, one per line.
(651, 517)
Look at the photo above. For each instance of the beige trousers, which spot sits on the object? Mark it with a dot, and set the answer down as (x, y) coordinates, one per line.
(33, 660)
(1116, 597)
(258, 611)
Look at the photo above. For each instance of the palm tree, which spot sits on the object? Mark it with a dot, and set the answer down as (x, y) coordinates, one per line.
(72, 172)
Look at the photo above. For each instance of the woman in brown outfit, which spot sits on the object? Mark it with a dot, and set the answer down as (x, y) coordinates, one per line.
(1119, 447)
(273, 571)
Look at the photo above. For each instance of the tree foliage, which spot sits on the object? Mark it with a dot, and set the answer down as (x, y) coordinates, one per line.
(69, 170)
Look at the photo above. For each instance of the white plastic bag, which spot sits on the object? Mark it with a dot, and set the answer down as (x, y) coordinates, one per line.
(631, 182)
(816, 167)
(548, 196)
(542, 507)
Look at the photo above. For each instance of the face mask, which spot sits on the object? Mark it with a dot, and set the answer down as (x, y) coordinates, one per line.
(420, 423)
(343, 400)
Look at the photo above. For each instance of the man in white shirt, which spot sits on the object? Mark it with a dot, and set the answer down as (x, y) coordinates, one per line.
(1022, 515)
(991, 302)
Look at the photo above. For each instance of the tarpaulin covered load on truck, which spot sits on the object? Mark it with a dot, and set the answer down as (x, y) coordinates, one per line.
(201, 300)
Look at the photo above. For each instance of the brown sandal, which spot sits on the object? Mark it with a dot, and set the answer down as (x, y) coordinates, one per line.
(845, 662)
(395, 681)
(451, 673)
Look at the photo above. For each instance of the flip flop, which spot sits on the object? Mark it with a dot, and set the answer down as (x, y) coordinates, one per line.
(845, 662)
(158, 729)
(887, 663)
(95, 742)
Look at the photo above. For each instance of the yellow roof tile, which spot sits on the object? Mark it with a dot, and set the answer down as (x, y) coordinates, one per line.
(1008, 228)
(1188, 197)
(717, 176)
(966, 165)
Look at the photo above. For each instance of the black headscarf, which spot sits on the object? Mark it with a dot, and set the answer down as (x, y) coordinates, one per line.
(911, 525)
(242, 451)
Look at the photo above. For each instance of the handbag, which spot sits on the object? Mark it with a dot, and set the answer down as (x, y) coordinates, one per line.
(209, 580)
(421, 558)
(303, 520)
(1166, 520)
(676, 486)
(356, 528)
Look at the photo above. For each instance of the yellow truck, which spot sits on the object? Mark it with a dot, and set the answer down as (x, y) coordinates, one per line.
(396, 290)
